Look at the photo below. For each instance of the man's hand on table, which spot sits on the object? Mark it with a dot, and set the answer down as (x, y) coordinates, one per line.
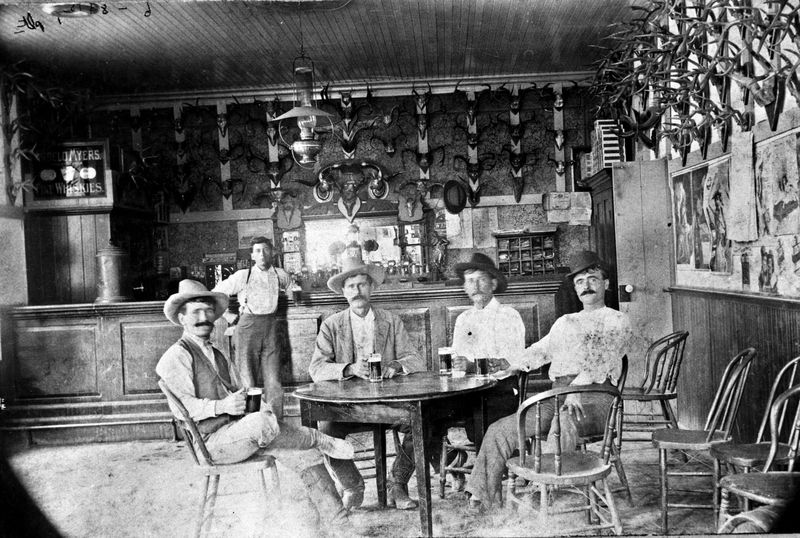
(232, 404)
(359, 369)
(392, 369)
(463, 364)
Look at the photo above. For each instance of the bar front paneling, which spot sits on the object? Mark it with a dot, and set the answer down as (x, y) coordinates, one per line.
(91, 367)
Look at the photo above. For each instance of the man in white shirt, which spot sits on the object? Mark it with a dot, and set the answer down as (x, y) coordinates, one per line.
(488, 329)
(343, 344)
(256, 340)
(209, 387)
(582, 348)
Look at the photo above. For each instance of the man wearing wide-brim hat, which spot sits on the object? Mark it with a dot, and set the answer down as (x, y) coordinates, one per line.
(208, 385)
(582, 348)
(345, 341)
(488, 329)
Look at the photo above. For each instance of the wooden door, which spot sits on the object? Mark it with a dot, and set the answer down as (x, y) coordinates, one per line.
(602, 233)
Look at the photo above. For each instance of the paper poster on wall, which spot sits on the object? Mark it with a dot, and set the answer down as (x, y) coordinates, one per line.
(484, 222)
(702, 238)
(459, 229)
(716, 200)
(681, 204)
(248, 229)
(777, 187)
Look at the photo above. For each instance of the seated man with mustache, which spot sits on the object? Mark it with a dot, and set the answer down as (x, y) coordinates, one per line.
(582, 348)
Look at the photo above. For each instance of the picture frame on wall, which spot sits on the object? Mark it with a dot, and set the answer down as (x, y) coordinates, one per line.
(248, 229)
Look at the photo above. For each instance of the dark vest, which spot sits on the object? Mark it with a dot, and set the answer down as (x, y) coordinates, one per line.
(208, 383)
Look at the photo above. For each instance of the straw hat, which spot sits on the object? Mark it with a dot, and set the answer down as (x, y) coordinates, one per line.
(352, 267)
(191, 289)
(482, 262)
(585, 260)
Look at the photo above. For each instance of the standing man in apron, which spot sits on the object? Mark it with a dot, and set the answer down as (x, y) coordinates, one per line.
(258, 349)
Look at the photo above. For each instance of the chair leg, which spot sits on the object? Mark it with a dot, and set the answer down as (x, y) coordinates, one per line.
(208, 518)
(443, 467)
(723, 509)
(669, 414)
(715, 485)
(621, 473)
(612, 507)
(591, 510)
(662, 467)
(543, 506)
(745, 501)
(201, 515)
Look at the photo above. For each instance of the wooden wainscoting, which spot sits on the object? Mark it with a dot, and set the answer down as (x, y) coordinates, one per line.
(720, 325)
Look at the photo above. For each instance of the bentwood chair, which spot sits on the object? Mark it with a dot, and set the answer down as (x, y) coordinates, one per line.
(717, 428)
(583, 472)
(662, 365)
(771, 488)
(746, 456)
(261, 464)
(616, 446)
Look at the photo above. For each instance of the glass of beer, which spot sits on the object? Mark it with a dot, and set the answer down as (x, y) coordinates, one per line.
(252, 402)
(374, 361)
(482, 366)
(445, 360)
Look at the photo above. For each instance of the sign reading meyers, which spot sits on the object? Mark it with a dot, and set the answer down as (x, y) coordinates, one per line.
(71, 174)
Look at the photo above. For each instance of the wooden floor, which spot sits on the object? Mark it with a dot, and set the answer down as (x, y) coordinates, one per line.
(149, 488)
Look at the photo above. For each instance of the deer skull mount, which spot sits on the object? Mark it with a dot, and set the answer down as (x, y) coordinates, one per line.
(474, 170)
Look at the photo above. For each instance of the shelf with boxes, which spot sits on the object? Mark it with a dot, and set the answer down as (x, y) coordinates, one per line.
(527, 253)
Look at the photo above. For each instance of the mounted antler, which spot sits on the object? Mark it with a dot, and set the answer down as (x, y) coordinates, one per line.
(389, 144)
(277, 169)
(425, 160)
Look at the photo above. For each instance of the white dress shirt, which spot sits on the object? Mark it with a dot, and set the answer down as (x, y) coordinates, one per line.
(259, 294)
(363, 333)
(495, 331)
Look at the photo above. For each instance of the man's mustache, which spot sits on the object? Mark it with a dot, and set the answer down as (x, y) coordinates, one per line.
(587, 292)
(204, 324)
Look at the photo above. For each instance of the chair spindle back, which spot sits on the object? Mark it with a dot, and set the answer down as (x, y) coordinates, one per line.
(778, 409)
(726, 402)
(788, 374)
(193, 438)
(663, 362)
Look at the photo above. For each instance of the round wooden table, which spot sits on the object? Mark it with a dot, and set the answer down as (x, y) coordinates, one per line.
(417, 400)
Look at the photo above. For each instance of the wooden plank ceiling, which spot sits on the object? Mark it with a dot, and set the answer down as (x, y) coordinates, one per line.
(214, 46)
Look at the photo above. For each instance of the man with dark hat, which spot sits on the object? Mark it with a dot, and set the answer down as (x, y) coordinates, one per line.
(344, 342)
(209, 387)
(582, 348)
(488, 329)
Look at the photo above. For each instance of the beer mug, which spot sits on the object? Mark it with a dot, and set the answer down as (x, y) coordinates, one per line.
(374, 361)
(482, 366)
(252, 402)
(445, 360)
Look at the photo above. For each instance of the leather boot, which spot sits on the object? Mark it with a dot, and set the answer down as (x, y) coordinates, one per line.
(322, 492)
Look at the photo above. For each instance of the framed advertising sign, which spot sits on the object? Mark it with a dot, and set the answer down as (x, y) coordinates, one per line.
(71, 175)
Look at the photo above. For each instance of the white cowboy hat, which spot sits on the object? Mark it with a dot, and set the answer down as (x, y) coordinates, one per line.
(191, 289)
(353, 267)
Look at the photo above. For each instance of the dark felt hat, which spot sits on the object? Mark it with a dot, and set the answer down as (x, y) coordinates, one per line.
(482, 262)
(455, 196)
(585, 260)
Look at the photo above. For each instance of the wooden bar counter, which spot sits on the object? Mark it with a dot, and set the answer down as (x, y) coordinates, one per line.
(86, 372)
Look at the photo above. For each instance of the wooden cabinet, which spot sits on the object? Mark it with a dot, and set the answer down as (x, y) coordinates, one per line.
(527, 254)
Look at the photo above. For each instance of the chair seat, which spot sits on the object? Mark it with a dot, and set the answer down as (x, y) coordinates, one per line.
(255, 462)
(577, 468)
(748, 454)
(670, 438)
(638, 393)
(766, 488)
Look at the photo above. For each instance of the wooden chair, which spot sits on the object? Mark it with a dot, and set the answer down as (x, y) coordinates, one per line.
(662, 365)
(717, 428)
(772, 488)
(746, 456)
(459, 464)
(262, 465)
(616, 446)
(580, 471)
